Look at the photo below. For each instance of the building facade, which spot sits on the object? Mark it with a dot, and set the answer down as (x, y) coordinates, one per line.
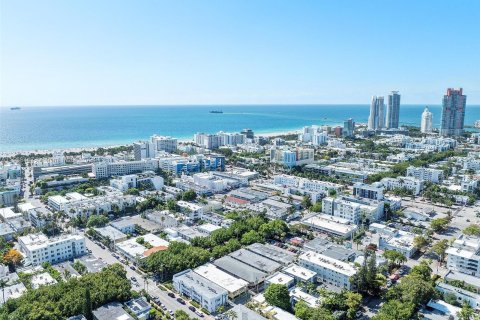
(453, 112)
(207, 293)
(38, 249)
(426, 125)
(377, 113)
(393, 110)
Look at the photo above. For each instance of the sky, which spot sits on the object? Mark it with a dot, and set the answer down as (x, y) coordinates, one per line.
(123, 52)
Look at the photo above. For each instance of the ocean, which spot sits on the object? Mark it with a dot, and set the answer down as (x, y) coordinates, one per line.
(40, 128)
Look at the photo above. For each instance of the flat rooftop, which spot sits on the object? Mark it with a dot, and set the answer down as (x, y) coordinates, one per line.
(243, 313)
(240, 269)
(111, 311)
(223, 279)
(273, 253)
(331, 223)
(255, 260)
(280, 278)
(300, 272)
(329, 263)
(203, 286)
(111, 232)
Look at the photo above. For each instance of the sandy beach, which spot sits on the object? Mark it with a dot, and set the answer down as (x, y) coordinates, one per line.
(90, 149)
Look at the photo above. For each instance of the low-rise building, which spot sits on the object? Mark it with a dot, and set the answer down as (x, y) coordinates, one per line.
(8, 213)
(292, 157)
(372, 191)
(298, 295)
(463, 255)
(280, 278)
(393, 239)
(42, 279)
(191, 210)
(139, 307)
(142, 246)
(301, 274)
(111, 233)
(207, 228)
(425, 174)
(331, 271)
(330, 249)
(462, 295)
(113, 310)
(253, 276)
(409, 183)
(353, 209)
(125, 225)
(233, 285)
(37, 248)
(273, 253)
(207, 293)
(331, 225)
(146, 179)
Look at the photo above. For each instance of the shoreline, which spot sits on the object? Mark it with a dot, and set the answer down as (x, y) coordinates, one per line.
(268, 134)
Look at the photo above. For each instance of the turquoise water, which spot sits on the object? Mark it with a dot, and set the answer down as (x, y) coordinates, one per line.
(33, 128)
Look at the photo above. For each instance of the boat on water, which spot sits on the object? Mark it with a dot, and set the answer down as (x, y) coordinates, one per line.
(477, 124)
(15, 108)
(216, 111)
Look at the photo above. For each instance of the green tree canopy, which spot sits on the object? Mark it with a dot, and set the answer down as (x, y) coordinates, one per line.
(278, 295)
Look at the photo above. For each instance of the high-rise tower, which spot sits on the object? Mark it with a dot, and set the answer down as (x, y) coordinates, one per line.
(376, 120)
(453, 113)
(427, 121)
(393, 110)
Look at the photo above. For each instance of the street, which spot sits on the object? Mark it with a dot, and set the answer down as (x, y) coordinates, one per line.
(150, 287)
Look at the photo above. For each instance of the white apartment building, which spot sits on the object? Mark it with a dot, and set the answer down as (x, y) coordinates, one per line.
(314, 188)
(353, 209)
(233, 285)
(191, 210)
(469, 185)
(123, 183)
(208, 141)
(211, 182)
(410, 183)
(61, 202)
(207, 293)
(121, 168)
(143, 150)
(372, 191)
(292, 157)
(471, 164)
(37, 248)
(164, 143)
(231, 138)
(329, 270)
(463, 255)
(393, 239)
(331, 225)
(462, 295)
(426, 174)
(314, 134)
(301, 274)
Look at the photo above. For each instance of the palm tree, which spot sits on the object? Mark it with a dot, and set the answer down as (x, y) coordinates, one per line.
(3, 284)
(232, 315)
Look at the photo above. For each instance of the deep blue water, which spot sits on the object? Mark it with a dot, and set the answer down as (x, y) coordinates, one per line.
(33, 128)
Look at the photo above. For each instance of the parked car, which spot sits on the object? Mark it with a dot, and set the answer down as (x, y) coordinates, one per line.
(198, 313)
(133, 278)
(192, 308)
(171, 294)
(180, 300)
(132, 267)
